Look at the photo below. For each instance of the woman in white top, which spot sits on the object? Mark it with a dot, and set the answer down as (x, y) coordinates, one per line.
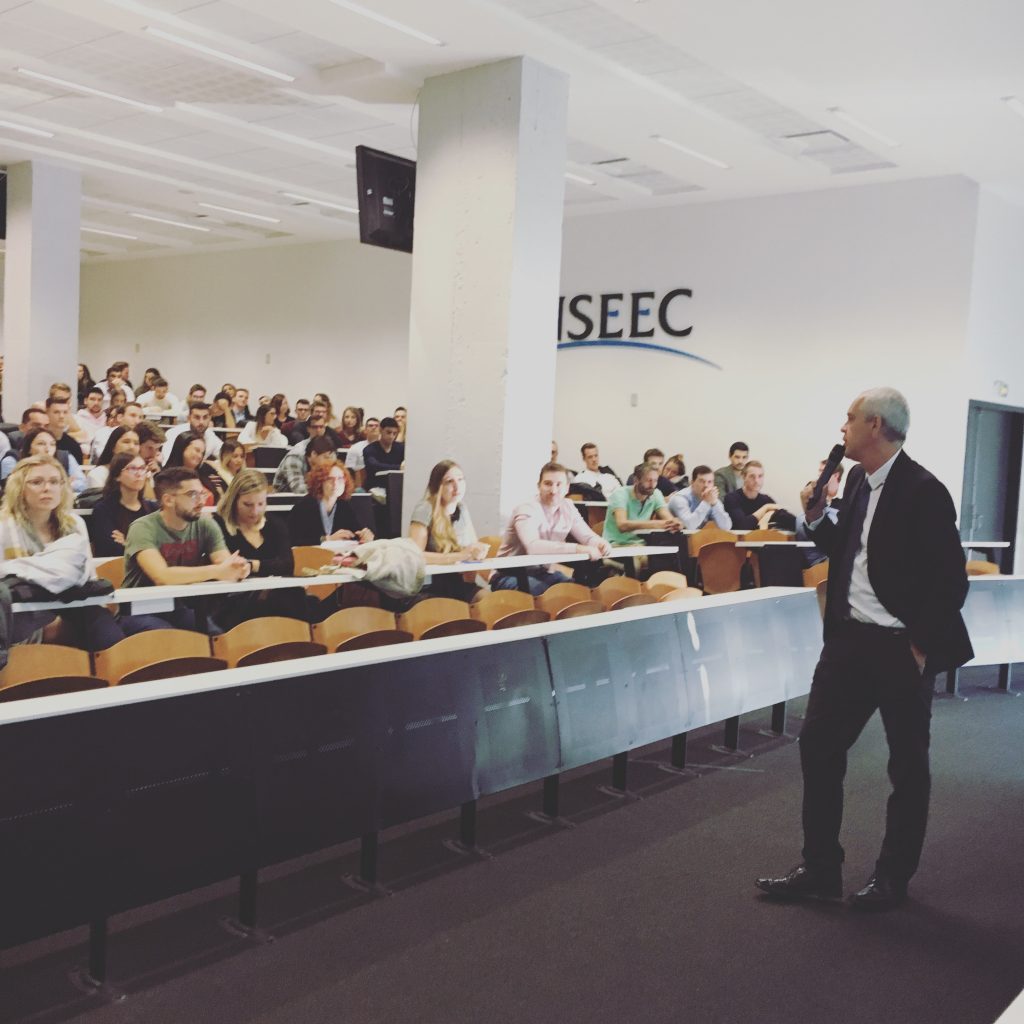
(262, 430)
(39, 441)
(122, 441)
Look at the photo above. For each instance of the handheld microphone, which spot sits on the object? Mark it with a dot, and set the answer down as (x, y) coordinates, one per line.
(831, 465)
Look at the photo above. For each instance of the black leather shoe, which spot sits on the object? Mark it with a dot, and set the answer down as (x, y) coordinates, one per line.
(803, 884)
(880, 893)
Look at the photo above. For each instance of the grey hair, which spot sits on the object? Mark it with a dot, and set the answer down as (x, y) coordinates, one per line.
(891, 407)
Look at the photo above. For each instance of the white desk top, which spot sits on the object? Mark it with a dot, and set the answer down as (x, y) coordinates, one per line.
(775, 543)
(980, 545)
(643, 550)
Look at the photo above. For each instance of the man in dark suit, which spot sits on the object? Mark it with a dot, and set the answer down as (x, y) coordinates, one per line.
(896, 584)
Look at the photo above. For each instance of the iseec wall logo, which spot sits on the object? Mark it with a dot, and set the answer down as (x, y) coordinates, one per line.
(600, 321)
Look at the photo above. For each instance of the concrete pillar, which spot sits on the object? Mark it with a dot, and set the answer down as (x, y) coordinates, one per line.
(41, 273)
(490, 185)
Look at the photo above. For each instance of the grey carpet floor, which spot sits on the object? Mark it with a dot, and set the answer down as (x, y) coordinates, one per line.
(645, 911)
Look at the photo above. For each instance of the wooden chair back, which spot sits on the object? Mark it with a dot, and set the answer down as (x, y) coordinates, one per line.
(659, 590)
(145, 650)
(350, 623)
(253, 642)
(684, 594)
(433, 612)
(822, 589)
(498, 604)
(765, 535)
(28, 662)
(374, 638)
(172, 668)
(492, 542)
(709, 534)
(50, 687)
(578, 608)
(112, 569)
(982, 568)
(720, 565)
(525, 617)
(453, 627)
(561, 594)
(312, 556)
(614, 589)
(666, 577)
(814, 574)
(632, 601)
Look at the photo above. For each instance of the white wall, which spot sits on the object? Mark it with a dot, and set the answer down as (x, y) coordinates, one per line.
(804, 301)
(333, 317)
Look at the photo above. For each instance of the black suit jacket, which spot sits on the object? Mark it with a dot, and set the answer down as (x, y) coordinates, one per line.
(915, 560)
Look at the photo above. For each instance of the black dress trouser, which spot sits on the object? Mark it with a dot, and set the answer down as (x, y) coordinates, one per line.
(862, 668)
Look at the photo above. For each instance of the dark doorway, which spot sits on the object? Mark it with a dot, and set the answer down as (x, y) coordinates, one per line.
(992, 467)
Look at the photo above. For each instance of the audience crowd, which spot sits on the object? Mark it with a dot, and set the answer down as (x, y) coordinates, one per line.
(146, 463)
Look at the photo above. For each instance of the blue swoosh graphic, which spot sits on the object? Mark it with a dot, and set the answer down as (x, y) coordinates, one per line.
(621, 343)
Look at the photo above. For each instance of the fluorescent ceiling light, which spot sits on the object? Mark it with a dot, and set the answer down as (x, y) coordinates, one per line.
(25, 128)
(672, 144)
(864, 129)
(1015, 104)
(173, 223)
(209, 51)
(240, 213)
(579, 178)
(382, 19)
(75, 87)
(110, 234)
(321, 202)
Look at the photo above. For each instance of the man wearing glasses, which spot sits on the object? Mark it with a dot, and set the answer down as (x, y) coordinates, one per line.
(178, 545)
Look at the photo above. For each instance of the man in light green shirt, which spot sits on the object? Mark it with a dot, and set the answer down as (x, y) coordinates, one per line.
(640, 506)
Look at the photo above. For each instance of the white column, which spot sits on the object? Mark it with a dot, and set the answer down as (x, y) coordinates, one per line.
(41, 269)
(490, 185)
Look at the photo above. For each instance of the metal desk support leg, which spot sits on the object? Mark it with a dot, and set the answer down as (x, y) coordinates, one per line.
(620, 771)
(1006, 679)
(548, 815)
(466, 843)
(92, 979)
(366, 880)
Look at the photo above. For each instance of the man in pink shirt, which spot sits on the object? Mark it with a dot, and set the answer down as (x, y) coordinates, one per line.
(543, 526)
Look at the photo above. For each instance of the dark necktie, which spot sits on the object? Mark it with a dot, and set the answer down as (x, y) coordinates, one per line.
(854, 514)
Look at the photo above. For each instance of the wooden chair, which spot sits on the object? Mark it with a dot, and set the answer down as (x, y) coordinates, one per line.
(659, 590)
(42, 670)
(492, 542)
(156, 654)
(815, 574)
(720, 565)
(632, 601)
(439, 616)
(822, 588)
(684, 594)
(709, 534)
(375, 638)
(614, 589)
(765, 535)
(675, 580)
(262, 640)
(111, 569)
(351, 623)
(494, 606)
(561, 594)
(981, 568)
(526, 617)
(578, 608)
(312, 556)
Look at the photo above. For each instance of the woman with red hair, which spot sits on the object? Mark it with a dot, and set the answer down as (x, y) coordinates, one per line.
(323, 513)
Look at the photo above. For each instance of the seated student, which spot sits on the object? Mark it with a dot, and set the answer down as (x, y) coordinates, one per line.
(640, 506)
(317, 449)
(179, 545)
(198, 423)
(323, 513)
(189, 451)
(121, 441)
(74, 429)
(401, 417)
(122, 503)
(542, 526)
(91, 417)
(351, 429)
(443, 530)
(300, 415)
(730, 478)
(749, 508)
(113, 381)
(85, 382)
(151, 442)
(115, 419)
(240, 407)
(700, 502)
(354, 459)
(386, 454)
(30, 418)
(220, 411)
(43, 542)
(285, 423)
(159, 399)
(654, 457)
(674, 471)
(262, 430)
(593, 474)
(40, 441)
(58, 409)
(218, 473)
(264, 541)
